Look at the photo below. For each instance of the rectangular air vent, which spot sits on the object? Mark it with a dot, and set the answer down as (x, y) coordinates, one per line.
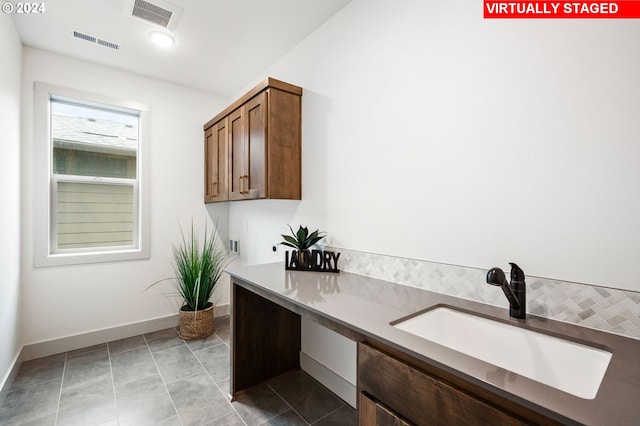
(95, 40)
(106, 43)
(156, 12)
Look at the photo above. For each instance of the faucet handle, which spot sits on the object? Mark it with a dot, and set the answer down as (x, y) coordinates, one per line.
(517, 274)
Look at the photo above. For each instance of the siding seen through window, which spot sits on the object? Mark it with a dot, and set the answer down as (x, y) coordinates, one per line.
(94, 181)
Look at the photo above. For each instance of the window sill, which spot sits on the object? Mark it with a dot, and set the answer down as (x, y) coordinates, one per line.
(88, 258)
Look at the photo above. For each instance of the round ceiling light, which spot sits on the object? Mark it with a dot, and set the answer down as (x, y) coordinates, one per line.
(161, 39)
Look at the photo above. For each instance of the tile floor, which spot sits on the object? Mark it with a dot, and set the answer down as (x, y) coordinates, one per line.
(160, 379)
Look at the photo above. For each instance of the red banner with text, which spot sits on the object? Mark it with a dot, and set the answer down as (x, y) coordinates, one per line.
(624, 9)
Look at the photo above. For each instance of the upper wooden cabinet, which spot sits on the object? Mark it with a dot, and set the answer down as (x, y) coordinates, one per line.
(253, 147)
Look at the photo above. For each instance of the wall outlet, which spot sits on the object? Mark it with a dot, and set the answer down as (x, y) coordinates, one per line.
(233, 246)
(275, 249)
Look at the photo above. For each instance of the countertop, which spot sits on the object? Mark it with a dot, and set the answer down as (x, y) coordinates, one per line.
(367, 306)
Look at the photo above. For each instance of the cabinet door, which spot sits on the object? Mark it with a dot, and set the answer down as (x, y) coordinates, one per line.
(372, 413)
(248, 141)
(237, 154)
(256, 147)
(215, 157)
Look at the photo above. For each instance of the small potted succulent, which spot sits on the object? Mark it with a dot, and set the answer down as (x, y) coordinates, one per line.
(302, 241)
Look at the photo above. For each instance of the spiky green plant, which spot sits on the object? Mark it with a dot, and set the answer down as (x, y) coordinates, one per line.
(302, 240)
(198, 268)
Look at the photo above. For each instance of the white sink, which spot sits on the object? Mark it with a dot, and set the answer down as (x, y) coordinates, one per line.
(568, 366)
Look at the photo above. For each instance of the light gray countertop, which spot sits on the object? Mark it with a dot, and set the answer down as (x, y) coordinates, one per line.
(367, 306)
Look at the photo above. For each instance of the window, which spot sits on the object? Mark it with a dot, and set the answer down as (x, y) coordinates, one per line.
(89, 157)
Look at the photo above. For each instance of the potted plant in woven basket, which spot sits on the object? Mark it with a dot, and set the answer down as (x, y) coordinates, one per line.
(198, 268)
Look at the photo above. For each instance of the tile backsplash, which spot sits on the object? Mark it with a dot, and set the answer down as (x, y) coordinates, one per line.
(607, 309)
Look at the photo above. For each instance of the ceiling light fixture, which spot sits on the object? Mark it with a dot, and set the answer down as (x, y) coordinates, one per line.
(161, 39)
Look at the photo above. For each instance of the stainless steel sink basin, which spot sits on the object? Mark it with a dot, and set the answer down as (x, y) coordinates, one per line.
(565, 365)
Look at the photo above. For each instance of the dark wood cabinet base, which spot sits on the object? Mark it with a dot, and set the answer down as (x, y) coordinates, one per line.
(409, 393)
(265, 339)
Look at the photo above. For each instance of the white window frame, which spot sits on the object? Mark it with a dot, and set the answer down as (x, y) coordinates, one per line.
(45, 183)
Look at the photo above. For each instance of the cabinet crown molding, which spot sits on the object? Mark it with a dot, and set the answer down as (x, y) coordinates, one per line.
(267, 83)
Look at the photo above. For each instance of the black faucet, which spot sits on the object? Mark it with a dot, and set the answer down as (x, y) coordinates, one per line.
(516, 292)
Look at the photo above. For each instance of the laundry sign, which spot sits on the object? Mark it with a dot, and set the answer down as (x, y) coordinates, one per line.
(312, 260)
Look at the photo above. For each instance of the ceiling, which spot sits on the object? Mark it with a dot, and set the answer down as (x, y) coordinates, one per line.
(221, 45)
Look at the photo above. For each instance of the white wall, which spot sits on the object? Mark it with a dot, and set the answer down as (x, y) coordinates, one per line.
(66, 301)
(431, 133)
(10, 325)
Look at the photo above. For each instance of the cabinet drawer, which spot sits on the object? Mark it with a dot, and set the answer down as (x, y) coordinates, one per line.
(374, 413)
(418, 397)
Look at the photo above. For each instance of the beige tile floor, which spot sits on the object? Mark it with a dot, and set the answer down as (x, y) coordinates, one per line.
(160, 379)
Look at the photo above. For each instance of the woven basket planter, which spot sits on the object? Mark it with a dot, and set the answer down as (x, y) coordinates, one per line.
(196, 324)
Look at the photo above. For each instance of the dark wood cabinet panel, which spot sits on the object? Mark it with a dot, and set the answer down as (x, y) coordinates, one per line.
(421, 398)
(284, 164)
(265, 339)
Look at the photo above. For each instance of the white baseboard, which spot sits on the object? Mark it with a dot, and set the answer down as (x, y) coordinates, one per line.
(70, 343)
(10, 376)
(65, 344)
(222, 310)
(332, 381)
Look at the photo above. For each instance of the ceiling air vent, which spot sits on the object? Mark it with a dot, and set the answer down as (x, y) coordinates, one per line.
(95, 40)
(156, 12)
